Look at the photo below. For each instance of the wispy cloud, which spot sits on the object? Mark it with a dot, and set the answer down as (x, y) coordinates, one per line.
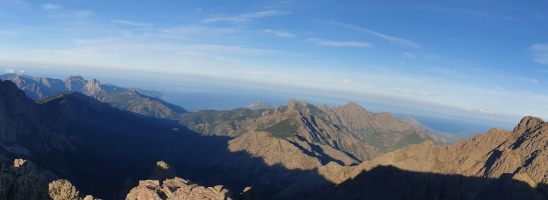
(280, 33)
(8, 33)
(83, 13)
(19, 3)
(540, 53)
(195, 33)
(478, 14)
(489, 16)
(245, 17)
(129, 23)
(50, 6)
(331, 43)
(389, 38)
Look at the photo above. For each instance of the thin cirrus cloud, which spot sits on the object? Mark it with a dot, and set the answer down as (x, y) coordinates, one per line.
(245, 17)
(331, 43)
(8, 33)
(129, 23)
(540, 53)
(388, 38)
(50, 6)
(280, 33)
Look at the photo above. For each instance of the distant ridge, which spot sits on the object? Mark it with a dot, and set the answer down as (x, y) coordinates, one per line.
(351, 130)
(122, 98)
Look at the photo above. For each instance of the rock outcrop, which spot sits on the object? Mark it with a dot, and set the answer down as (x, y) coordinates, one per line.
(162, 171)
(176, 189)
(25, 181)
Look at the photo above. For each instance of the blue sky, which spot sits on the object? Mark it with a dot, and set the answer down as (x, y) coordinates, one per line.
(478, 59)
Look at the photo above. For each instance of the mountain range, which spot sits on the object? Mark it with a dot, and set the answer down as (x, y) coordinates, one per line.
(347, 134)
(135, 100)
(73, 142)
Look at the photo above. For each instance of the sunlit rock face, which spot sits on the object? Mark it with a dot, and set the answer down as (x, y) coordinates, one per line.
(498, 164)
(176, 189)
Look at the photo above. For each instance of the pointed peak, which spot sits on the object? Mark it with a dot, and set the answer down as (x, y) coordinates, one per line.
(293, 104)
(352, 106)
(75, 78)
(527, 123)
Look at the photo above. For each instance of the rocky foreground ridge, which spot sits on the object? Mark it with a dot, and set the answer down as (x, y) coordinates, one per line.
(164, 185)
(25, 181)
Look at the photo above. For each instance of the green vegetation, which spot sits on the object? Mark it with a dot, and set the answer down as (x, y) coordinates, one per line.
(375, 139)
(283, 129)
(409, 139)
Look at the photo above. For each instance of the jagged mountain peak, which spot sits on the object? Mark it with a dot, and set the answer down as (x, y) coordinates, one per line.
(295, 104)
(304, 108)
(75, 78)
(526, 123)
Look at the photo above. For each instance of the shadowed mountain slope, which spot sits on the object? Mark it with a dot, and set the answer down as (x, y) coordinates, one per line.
(391, 183)
(496, 165)
(105, 151)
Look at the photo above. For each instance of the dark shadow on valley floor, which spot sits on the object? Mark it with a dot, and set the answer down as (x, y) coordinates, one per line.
(391, 183)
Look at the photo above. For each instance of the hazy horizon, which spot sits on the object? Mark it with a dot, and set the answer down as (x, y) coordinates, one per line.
(443, 60)
(208, 97)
